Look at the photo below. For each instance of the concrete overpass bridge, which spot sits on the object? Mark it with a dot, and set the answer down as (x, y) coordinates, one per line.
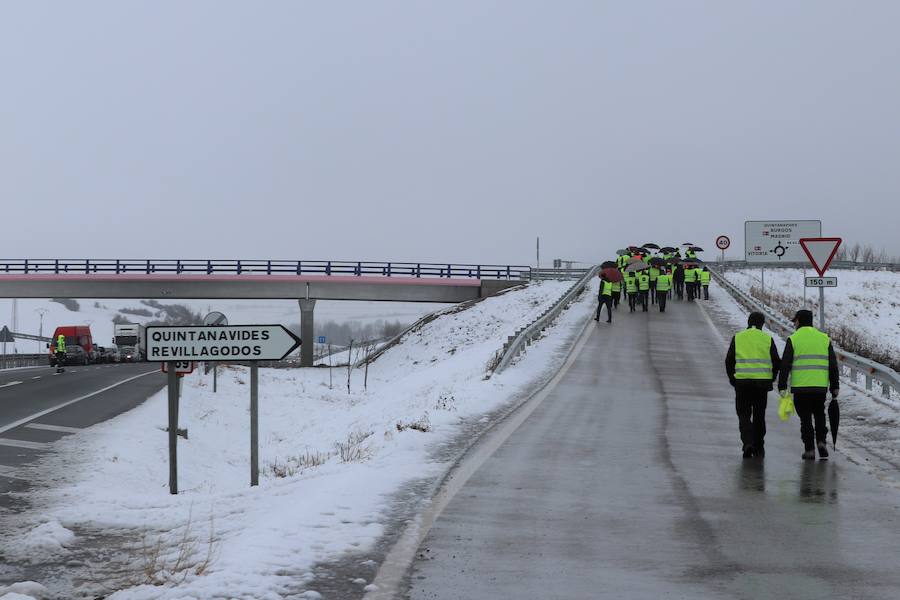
(305, 281)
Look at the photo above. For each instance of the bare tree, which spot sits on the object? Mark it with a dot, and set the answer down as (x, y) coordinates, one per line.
(854, 252)
(330, 365)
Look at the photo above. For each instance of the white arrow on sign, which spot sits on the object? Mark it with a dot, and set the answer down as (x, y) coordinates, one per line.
(220, 342)
(820, 252)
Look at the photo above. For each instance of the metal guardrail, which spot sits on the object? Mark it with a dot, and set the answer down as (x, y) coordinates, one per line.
(852, 365)
(516, 343)
(558, 274)
(60, 266)
(836, 264)
(9, 361)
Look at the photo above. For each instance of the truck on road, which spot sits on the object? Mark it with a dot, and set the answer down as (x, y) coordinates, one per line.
(80, 348)
(129, 340)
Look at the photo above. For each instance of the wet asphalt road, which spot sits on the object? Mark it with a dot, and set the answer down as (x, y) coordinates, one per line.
(26, 433)
(628, 482)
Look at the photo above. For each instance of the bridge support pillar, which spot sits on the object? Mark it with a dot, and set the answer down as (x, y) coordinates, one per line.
(307, 332)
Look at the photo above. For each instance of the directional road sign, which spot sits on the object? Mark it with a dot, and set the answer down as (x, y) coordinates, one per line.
(321, 339)
(778, 241)
(820, 282)
(220, 342)
(820, 252)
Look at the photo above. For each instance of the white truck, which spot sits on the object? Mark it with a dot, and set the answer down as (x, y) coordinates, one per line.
(129, 341)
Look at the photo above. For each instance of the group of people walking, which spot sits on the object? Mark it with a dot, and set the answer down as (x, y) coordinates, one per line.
(646, 280)
(753, 366)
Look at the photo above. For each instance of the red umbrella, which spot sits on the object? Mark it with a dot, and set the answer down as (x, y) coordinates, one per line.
(612, 274)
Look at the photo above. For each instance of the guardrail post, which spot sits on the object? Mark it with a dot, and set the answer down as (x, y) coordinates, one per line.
(148, 266)
(853, 375)
(56, 266)
(299, 268)
(869, 382)
(87, 266)
(328, 268)
(885, 389)
(238, 267)
(268, 267)
(209, 268)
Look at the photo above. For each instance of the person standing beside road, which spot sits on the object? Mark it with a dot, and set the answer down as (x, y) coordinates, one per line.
(704, 276)
(605, 299)
(752, 364)
(809, 359)
(60, 351)
(663, 285)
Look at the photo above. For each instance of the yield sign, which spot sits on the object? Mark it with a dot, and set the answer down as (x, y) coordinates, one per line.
(820, 252)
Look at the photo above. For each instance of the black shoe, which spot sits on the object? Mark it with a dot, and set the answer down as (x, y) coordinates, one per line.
(596, 318)
(760, 452)
(609, 320)
(823, 449)
(748, 451)
(809, 454)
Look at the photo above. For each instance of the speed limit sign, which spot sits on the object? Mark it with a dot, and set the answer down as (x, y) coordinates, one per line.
(722, 242)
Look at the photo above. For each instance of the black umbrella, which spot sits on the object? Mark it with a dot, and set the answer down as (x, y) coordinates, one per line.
(687, 244)
(834, 419)
(609, 264)
(651, 245)
(657, 261)
(696, 249)
(667, 249)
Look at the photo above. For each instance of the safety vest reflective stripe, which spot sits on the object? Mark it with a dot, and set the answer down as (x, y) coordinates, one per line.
(643, 283)
(704, 277)
(664, 283)
(810, 368)
(617, 286)
(752, 351)
(606, 288)
(690, 275)
(631, 284)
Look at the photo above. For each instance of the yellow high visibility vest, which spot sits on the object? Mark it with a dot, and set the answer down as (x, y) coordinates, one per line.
(752, 353)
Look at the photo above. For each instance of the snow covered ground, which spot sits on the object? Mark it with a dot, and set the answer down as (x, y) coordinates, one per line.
(866, 302)
(330, 460)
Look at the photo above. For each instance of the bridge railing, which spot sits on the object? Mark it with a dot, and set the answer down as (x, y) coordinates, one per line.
(836, 264)
(59, 266)
(9, 361)
(853, 366)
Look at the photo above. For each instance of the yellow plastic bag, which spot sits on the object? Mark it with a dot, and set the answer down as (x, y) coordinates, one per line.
(786, 407)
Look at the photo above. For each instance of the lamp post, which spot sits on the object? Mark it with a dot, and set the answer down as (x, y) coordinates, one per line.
(41, 312)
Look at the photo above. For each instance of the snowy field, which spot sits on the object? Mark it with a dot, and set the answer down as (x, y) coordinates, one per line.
(330, 460)
(866, 302)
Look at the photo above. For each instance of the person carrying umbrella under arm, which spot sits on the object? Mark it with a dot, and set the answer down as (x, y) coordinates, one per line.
(752, 364)
(810, 361)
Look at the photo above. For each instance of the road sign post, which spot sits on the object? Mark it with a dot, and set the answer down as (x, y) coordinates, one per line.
(820, 252)
(215, 318)
(217, 343)
(722, 243)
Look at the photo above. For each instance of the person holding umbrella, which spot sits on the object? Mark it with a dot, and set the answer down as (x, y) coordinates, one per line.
(810, 361)
(752, 364)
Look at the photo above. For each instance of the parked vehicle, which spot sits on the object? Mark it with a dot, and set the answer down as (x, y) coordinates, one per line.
(79, 344)
(129, 340)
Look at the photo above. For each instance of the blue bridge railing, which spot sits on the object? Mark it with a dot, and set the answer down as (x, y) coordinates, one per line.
(61, 266)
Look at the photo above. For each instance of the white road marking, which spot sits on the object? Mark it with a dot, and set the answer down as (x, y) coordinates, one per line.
(11, 383)
(10, 473)
(38, 415)
(58, 428)
(23, 444)
(37, 377)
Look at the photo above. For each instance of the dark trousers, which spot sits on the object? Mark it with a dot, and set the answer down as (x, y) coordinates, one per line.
(616, 296)
(810, 407)
(705, 292)
(690, 290)
(643, 294)
(606, 301)
(679, 289)
(661, 300)
(653, 292)
(750, 403)
(632, 299)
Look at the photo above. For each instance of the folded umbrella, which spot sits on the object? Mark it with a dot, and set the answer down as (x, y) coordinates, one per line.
(637, 266)
(612, 274)
(834, 419)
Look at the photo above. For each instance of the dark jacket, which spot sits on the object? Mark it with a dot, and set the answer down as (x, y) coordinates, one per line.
(754, 383)
(787, 361)
(678, 275)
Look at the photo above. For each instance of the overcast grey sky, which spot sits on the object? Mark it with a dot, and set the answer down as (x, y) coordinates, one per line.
(453, 131)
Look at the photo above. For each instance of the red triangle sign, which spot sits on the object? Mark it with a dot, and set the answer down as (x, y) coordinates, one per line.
(820, 252)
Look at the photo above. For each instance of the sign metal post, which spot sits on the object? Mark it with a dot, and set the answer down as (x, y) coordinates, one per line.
(820, 252)
(173, 428)
(254, 423)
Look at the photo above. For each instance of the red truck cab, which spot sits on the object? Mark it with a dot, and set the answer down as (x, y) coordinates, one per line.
(79, 344)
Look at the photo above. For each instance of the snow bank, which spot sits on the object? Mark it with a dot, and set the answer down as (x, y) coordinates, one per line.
(330, 457)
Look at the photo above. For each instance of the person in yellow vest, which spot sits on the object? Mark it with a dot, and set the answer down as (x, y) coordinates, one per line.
(60, 352)
(643, 281)
(605, 299)
(690, 279)
(617, 293)
(631, 288)
(752, 364)
(663, 287)
(705, 276)
(810, 361)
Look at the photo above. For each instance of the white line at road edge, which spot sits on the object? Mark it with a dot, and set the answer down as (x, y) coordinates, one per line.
(712, 326)
(398, 560)
(64, 404)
